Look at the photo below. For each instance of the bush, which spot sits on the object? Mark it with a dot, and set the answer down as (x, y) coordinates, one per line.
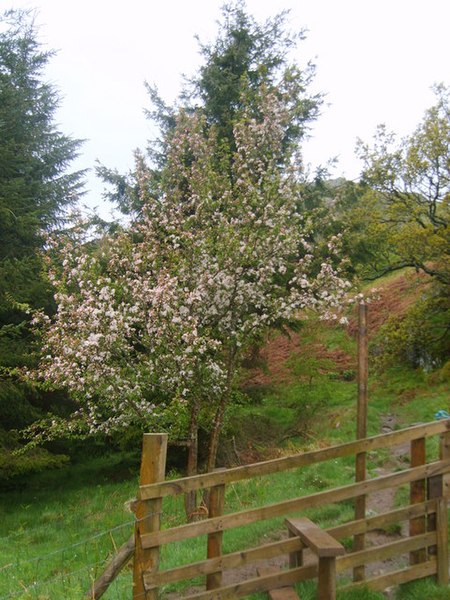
(15, 464)
(419, 338)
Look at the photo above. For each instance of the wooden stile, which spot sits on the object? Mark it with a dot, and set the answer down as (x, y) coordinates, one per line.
(428, 519)
(293, 545)
(326, 548)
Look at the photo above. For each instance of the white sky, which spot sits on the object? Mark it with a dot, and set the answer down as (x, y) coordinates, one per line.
(376, 61)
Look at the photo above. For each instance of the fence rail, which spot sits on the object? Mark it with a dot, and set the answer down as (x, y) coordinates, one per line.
(208, 480)
(426, 546)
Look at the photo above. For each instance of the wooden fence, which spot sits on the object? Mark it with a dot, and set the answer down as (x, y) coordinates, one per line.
(426, 545)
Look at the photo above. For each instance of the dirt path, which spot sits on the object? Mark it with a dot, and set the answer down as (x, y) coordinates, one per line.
(384, 501)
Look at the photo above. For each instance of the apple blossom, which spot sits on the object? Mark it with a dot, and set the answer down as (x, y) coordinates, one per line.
(152, 326)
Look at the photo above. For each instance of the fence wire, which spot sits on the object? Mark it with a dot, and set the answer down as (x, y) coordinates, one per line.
(67, 555)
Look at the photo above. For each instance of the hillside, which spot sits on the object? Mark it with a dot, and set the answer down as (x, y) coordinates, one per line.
(296, 375)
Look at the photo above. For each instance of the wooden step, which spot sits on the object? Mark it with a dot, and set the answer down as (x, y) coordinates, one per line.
(282, 593)
(320, 542)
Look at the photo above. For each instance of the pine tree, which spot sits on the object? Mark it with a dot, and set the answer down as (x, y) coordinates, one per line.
(35, 187)
(245, 58)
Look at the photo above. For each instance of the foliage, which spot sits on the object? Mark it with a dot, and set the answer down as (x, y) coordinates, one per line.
(418, 338)
(245, 56)
(14, 465)
(402, 220)
(34, 191)
(410, 193)
(152, 327)
(34, 155)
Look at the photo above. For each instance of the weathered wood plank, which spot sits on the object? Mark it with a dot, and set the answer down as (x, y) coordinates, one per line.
(227, 561)
(319, 540)
(119, 560)
(284, 593)
(444, 453)
(326, 584)
(396, 577)
(258, 584)
(385, 551)
(148, 514)
(381, 520)
(292, 545)
(207, 480)
(287, 507)
(417, 494)
(442, 542)
(214, 544)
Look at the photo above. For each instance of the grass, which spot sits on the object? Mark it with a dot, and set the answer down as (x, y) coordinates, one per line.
(58, 529)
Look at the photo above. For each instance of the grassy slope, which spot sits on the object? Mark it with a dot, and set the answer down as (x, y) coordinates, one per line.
(62, 526)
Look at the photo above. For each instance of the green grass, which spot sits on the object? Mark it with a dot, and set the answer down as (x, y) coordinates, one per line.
(58, 529)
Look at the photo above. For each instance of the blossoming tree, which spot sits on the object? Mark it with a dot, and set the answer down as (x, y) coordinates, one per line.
(152, 326)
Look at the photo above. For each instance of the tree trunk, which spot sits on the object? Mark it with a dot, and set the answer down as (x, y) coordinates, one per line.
(220, 413)
(215, 433)
(190, 499)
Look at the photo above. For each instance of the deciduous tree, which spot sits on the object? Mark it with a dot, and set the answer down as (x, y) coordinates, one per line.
(151, 330)
(409, 197)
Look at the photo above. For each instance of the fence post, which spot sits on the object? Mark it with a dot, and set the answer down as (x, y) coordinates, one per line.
(442, 541)
(361, 430)
(148, 514)
(438, 487)
(417, 494)
(444, 454)
(214, 548)
(326, 585)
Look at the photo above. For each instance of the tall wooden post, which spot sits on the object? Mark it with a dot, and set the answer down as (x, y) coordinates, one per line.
(148, 514)
(361, 429)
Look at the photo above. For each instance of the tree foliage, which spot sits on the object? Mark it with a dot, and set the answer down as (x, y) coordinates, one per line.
(151, 330)
(404, 218)
(409, 200)
(245, 56)
(35, 186)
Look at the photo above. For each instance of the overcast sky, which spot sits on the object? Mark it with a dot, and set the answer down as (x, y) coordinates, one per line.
(376, 61)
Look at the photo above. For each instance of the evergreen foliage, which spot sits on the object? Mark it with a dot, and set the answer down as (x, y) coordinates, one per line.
(35, 190)
(245, 57)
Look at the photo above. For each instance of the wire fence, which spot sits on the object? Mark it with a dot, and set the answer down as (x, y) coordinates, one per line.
(69, 571)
